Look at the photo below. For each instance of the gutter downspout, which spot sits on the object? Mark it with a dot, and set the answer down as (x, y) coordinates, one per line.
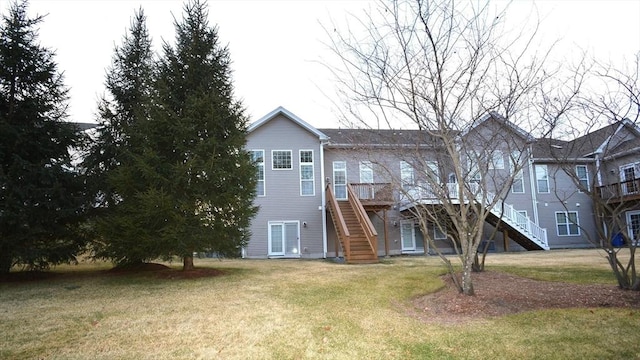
(599, 178)
(598, 169)
(324, 201)
(534, 197)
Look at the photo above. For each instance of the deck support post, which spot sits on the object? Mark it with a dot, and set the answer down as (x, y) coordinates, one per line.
(386, 233)
(505, 236)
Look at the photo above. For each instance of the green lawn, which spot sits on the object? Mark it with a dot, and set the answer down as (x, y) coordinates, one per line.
(289, 309)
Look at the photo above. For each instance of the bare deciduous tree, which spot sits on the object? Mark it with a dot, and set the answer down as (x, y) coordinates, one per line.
(603, 162)
(453, 71)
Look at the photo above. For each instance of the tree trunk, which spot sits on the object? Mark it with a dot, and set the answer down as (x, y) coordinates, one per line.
(187, 263)
(5, 262)
(467, 283)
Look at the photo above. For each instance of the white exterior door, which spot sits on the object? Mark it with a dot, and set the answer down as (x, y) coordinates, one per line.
(284, 238)
(340, 179)
(628, 173)
(408, 236)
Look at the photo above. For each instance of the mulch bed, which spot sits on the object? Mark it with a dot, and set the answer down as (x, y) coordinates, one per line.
(498, 294)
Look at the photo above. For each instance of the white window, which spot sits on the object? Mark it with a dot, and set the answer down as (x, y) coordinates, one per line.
(496, 160)
(567, 223)
(517, 187)
(438, 234)
(284, 238)
(583, 177)
(307, 179)
(281, 160)
(406, 175)
(628, 173)
(515, 161)
(258, 159)
(633, 226)
(408, 235)
(473, 160)
(366, 172)
(340, 179)
(433, 173)
(542, 178)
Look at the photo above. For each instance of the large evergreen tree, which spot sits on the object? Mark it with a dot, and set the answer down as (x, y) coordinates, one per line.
(178, 179)
(41, 196)
(205, 180)
(115, 163)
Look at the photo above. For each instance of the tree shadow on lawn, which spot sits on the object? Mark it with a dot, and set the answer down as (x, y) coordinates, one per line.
(150, 270)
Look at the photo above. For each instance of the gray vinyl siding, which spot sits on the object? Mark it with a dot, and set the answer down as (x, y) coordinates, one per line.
(564, 196)
(282, 200)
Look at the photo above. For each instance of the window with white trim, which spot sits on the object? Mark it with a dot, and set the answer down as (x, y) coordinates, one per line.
(257, 156)
(366, 172)
(340, 179)
(517, 187)
(496, 160)
(438, 234)
(473, 161)
(628, 173)
(281, 160)
(406, 175)
(307, 179)
(433, 173)
(542, 178)
(583, 177)
(567, 223)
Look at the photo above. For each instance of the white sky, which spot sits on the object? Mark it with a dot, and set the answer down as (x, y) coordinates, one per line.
(276, 46)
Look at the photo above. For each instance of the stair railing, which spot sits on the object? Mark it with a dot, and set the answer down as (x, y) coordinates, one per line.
(369, 231)
(338, 222)
(500, 209)
(518, 221)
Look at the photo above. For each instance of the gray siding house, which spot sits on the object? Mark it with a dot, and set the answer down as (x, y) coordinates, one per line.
(290, 221)
(334, 192)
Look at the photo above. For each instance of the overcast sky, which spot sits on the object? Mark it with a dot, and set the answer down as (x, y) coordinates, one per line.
(276, 46)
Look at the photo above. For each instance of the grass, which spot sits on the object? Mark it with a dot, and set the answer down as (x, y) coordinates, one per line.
(290, 309)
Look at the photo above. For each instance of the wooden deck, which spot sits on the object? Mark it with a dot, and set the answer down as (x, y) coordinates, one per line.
(620, 192)
(373, 197)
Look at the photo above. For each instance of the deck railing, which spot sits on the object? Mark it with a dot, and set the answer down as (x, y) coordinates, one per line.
(373, 191)
(621, 191)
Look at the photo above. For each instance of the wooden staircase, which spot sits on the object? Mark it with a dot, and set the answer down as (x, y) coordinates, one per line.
(354, 229)
(360, 251)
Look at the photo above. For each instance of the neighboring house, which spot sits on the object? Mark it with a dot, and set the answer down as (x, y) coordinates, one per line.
(333, 192)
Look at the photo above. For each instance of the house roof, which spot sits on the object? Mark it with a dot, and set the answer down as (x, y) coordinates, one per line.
(595, 141)
(598, 141)
(379, 138)
(492, 115)
(282, 111)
